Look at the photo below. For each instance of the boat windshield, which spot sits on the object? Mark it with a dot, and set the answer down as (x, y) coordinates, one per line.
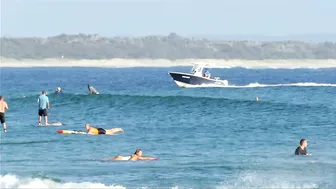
(197, 69)
(194, 69)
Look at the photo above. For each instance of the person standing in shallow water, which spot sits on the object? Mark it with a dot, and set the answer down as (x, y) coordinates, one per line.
(302, 149)
(3, 108)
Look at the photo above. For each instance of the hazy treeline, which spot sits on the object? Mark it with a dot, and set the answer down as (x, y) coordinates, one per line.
(171, 47)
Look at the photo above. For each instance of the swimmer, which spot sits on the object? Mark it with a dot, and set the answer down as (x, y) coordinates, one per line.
(100, 131)
(58, 90)
(302, 149)
(134, 157)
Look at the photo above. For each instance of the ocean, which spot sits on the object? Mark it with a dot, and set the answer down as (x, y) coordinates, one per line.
(205, 137)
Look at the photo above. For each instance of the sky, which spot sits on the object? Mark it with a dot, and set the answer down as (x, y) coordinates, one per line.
(198, 18)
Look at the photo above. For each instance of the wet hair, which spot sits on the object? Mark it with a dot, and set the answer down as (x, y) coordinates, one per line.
(137, 151)
(43, 92)
(302, 141)
(1, 97)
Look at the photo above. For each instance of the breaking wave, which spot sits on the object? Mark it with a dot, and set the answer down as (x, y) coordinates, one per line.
(12, 181)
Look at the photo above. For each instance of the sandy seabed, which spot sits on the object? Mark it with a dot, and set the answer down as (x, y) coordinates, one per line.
(128, 63)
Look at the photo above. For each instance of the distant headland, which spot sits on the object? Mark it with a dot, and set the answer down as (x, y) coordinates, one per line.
(171, 47)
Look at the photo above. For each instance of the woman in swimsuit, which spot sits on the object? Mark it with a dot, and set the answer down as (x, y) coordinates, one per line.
(100, 131)
(134, 157)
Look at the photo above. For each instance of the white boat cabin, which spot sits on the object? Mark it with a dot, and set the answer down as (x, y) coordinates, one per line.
(201, 70)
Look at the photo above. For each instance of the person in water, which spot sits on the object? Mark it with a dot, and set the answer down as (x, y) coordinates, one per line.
(100, 131)
(134, 157)
(58, 90)
(92, 90)
(302, 149)
(3, 108)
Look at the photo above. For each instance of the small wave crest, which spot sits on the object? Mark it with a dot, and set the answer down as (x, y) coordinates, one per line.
(252, 180)
(12, 181)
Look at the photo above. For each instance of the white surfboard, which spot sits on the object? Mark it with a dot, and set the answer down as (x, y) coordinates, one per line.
(53, 124)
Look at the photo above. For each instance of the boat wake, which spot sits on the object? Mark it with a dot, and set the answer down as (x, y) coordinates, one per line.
(256, 85)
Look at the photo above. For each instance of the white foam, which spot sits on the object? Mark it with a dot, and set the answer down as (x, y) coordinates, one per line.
(12, 181)
(256, 85)
(254, 180)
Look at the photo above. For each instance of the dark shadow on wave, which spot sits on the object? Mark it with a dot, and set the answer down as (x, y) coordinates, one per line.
(29, 142)
(71, 98)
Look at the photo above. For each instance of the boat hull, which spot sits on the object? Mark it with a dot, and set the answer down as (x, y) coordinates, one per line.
(189, 80)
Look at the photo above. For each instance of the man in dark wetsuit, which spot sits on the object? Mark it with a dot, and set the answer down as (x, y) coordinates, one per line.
(302, 149)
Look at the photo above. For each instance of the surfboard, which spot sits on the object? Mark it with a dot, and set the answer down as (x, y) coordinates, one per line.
(71, 132)
(52, 124)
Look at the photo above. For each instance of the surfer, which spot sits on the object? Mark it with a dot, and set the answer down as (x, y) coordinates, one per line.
(43, 104)
(58, 90)
(134, 157)
(92, 90)
(302, 149)
(3, 108)
(100, 131)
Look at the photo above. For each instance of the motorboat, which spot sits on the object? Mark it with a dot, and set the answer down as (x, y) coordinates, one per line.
(199, 75)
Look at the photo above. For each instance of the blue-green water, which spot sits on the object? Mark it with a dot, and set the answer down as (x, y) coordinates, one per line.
(203, 137)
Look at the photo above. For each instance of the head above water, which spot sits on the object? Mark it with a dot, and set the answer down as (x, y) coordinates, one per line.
(58, 89)
(303, 142)
(88, 126)
(138, 152)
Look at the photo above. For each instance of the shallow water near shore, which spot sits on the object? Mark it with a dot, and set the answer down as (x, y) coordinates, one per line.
(207, 137)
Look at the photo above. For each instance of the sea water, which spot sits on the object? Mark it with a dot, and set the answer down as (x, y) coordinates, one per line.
(204, 137)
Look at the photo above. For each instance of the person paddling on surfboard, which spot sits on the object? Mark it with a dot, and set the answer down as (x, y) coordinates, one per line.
(100, 131)
(134, 157)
